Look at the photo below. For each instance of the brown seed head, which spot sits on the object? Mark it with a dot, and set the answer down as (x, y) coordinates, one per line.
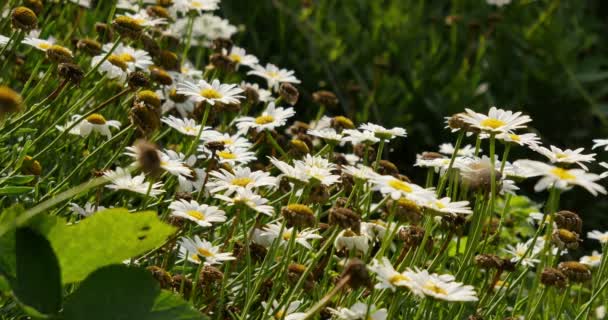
(127, 27)
(299, 215)
(89, 46)
(161, 76)
(24, 18)
(345, 218)
(576, 271)
(59, 54)
(569, 220)
(138, 79)
(10, 100)
(553, 277)
(161, 275)
(70, 72)
(289, 93)
(359, 276)
(326, 98)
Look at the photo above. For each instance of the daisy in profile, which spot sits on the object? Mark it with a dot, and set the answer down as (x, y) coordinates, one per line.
(235, 141)
(248, 198)
(287, 312)
(124, 59)
(375, 230)
(446, 206)
(273, 75)
(170, 160)
(185, 126)
(95, 122)
(270, 119)
(241, 177)
(40, 44)
(355, 136)
(328, 134)
(211, 92)
(263, 94)
(231, 156)
(464, 151)
(496, 121)
(600, 143)
(594, 260)
(121, 180)
(527, 139)
(518, 253)
(560, 178)
(566, 156)
(198, 6)
(204, 215)
(360, 172)
(195, 181)
(382, 133)
(199, 250)
(188, 70)
(347, 240)
(273, 231)
(359, 311)
(142, 18)
(389, 185)
(87, 210)
(602, 237)
(441, 287)
(240, 57)
(387, 275)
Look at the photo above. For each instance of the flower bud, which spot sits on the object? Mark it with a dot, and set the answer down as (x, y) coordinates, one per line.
(31, 166)
(24, 18)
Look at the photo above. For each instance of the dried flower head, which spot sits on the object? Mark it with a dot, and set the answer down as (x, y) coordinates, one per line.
(564, 238)
(325, 98)
(358, 275)
(24, 18)
(553, 277)
(89, 46)
(345, 218)
(127, 27)
(71, 72)
(576, 271)
(10, 101)
(59, 54)
(299, 215)
(138, 79)
(289, 93)
(568, 220)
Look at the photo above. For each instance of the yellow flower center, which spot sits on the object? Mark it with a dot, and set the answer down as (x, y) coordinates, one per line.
(400, 185)
(196, 214)
(264, 119)
(287, 235)
(241, 182)
(492, 123)
(195, 257)
(514, 137)
(431, 286)
(272, 74)
(196, 4)
(561, 155)
(96, 118)
(126, 57)
(227, 141)
(279, 314)
(235, 57)
(44, 45)
(595, 258)
(440, 205)
(210, 93)
(563, 174)
(189, 129)
(204, 252)
(226, 155)
(398, 278)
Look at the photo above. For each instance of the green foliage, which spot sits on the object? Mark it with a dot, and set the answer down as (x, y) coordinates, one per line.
(121, 292)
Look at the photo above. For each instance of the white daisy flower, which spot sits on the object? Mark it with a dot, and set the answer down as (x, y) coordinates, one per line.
(442, 287)
(594, 260)
(240, 57)
(356, 137)
(446, 206)
(263, 94)
(375, 230)
(242, 177)
(287, 312)
(197, 251)
(231, 156)
(270, 119)
(3, 40)
(560, 178)
(211, 92)
(204, 215)
(273, 231)
(359, 311)
(382, 133)
(387, 275)
(196, 180)
(602, 237)
(557, 155)
(87, 210)
(464, 151)
(124, 59)
(519, 250)
(248, 198)
(360, 172)
(40, 44)
(526, 139)
(94, 122)
(348, 240)
(328, 134)
(498, 3)
(273, 75)
(186, 126)
(235, 141)
(143, 19)
(121, 180)
(496, 121)
(389, 185)
(600, 312)
(188, 70)
(184, 6)
(600, 143)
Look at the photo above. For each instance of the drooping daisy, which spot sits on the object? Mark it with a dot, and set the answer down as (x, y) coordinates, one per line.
(286, 312)
(602, 237)
(241, 177)
(375, 230)
(289, 171)
(442, 287)
(356, 137)
(526, 139)
(121, 180)
(273, 231)
(599, 143)
(560, 178)
(186, 126)
(389, 185)
(204, 215)
(240, 57)
(557, 155)
(94, 122)
(211, 92)
(496, 121)
(387, 275)
(87, 210)
(498, 3)
(350, 241)
(124, 59)
(464, 151)
(594, 260)
(447, 206)
(273, 75)
(270, 119)
(359, 311)
(199, 250)
(382, 133)
(248, 198)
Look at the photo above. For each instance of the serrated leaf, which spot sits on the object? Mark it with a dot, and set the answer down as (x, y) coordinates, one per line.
(38, 282)
(108, 237)
(122, 292)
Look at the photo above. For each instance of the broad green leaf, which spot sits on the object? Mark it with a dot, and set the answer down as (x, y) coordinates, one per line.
(121, 292)
(17, 180)
(38, 282)
(14, 190)
(108, 237)
(8, 260)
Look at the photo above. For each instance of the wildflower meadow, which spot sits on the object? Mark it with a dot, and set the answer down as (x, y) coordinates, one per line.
(153, 166)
